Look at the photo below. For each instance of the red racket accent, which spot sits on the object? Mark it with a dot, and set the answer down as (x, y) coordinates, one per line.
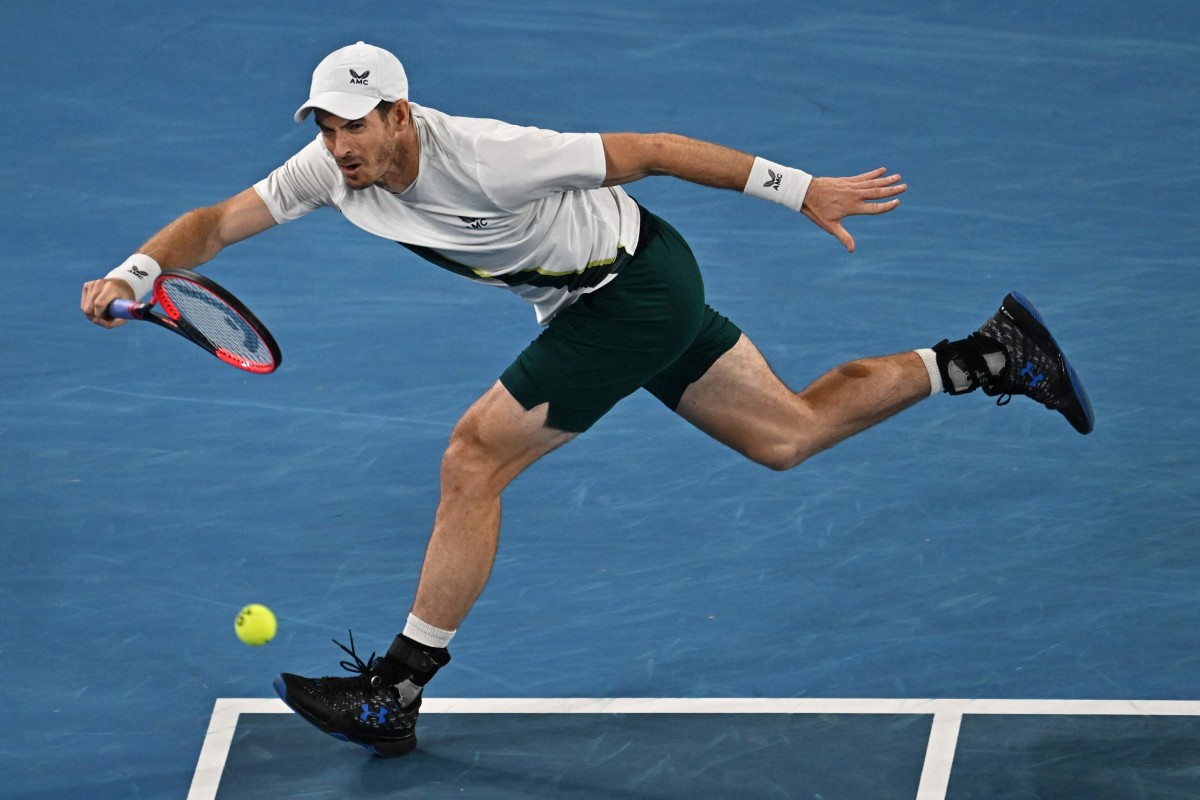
(164, 300)
(240, 363)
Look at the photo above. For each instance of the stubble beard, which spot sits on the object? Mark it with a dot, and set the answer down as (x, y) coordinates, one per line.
(391, 156)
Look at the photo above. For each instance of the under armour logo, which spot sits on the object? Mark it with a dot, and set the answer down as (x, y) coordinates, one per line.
(379, 716)
(474, 222)
(776, 179)
(137, 273)
(359, 79)
(1031, 379)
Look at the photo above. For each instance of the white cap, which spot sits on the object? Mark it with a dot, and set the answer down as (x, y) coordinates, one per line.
(349, 82)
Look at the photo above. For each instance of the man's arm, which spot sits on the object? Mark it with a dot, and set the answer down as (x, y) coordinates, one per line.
(189, 241)
(632, 156)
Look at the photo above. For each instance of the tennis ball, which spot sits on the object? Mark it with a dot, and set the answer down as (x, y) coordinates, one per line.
(255, 625)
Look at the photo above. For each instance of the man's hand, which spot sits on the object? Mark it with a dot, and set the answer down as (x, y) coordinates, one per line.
(98, 294)
(829, 200)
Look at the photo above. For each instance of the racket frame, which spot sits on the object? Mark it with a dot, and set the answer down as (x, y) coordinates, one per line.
(173, 321)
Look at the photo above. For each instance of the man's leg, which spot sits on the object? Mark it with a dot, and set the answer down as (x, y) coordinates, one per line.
(742, 403)
(493, 442)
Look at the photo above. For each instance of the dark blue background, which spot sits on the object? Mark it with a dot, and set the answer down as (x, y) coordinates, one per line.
(147, 492)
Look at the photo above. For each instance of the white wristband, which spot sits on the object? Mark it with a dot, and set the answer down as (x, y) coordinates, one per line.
(779, 184)
(139, 271)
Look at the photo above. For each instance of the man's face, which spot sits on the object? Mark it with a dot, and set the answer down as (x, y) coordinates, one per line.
(363, 148)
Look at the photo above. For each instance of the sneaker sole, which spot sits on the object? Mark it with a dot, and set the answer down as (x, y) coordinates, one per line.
(1078, 408)
(379, 748)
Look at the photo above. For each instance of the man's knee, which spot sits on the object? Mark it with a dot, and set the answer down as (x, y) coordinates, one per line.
(494, 441)
(781, 447)
(470, 461)
(779, 454)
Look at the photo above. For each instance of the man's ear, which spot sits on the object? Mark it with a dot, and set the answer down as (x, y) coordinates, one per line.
(401, 114)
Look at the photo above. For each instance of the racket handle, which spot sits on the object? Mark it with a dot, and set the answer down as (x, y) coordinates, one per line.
(124, 309)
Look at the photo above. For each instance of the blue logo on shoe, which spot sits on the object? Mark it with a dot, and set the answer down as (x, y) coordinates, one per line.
(379, 716)
(1031, 379)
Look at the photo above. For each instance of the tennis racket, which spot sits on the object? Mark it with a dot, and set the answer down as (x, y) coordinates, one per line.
(202, 312)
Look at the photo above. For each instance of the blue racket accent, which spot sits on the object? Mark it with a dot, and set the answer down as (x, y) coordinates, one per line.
(124, 309)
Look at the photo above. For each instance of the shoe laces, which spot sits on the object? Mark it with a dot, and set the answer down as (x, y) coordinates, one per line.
(366, 677)
(357, 666)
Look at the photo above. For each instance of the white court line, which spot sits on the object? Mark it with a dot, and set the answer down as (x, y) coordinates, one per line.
(219, 738)
(939, 755)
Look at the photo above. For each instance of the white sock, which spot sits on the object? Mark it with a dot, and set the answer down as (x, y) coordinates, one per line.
(935, 377)
(422, 632)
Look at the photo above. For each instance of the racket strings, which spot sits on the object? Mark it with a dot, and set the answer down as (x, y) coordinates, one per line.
(222, 325)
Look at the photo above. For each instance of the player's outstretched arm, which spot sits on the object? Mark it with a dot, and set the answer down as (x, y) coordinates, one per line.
(189, 241)
(825, 201)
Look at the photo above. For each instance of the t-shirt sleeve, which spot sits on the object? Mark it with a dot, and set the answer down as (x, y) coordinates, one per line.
(300, 185)
(518, 165)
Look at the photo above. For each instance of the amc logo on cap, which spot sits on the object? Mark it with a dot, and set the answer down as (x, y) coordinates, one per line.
(359, 79)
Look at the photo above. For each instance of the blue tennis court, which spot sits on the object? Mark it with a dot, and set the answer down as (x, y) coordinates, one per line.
(966, 602)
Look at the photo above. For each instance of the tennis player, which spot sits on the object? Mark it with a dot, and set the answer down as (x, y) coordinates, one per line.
(543, 215)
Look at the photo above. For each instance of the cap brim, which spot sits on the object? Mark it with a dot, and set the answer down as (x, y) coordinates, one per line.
(340, 104)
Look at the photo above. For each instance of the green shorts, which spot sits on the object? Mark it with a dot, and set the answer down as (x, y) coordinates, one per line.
(649, 328)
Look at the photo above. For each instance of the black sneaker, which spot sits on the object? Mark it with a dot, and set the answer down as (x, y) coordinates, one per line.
(1034, 365)
(377, 708)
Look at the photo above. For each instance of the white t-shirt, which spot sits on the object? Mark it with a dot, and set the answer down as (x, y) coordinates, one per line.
(517, 207)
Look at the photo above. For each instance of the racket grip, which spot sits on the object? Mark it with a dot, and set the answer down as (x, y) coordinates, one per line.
(123, 309)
